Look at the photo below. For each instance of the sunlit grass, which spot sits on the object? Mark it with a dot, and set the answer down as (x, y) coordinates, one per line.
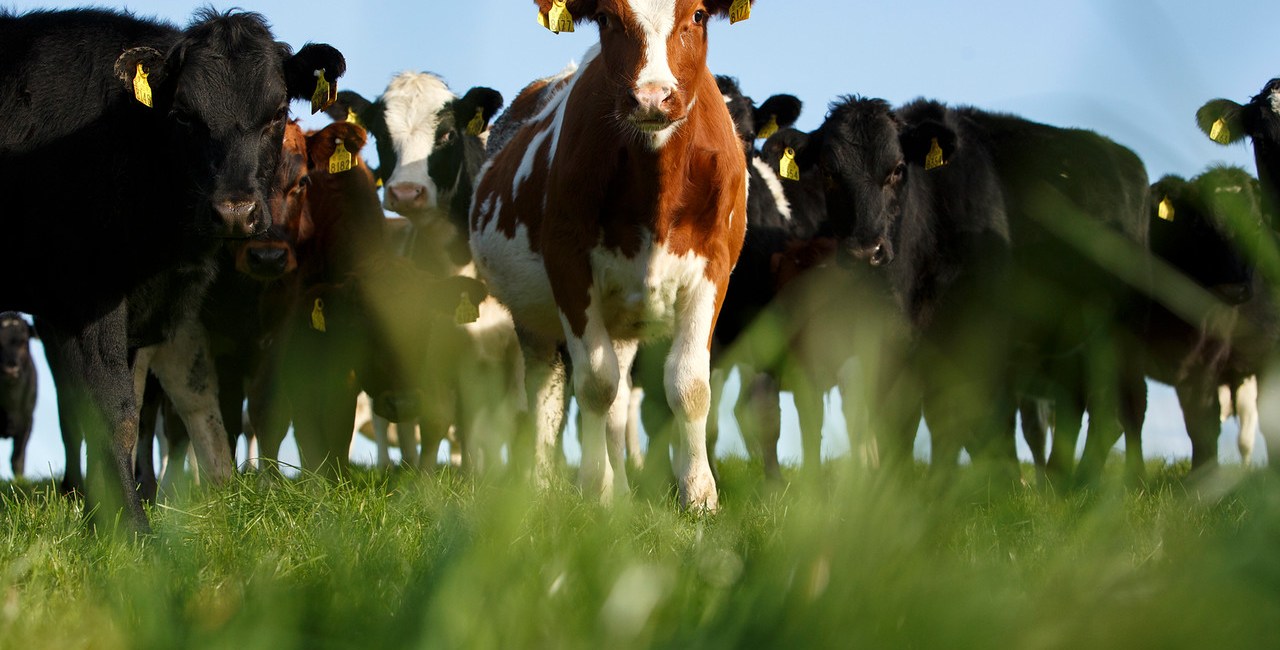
(843, 559)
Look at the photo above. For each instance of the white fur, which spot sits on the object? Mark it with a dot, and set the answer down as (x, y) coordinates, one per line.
(414, 101)
(775, 186)
(1243, 403)
(657, 19)
(1275, 101)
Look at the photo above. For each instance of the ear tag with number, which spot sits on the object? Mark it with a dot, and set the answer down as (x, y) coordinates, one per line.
(769, 128)
(467, 312)
(476, 125)
(1166, 210)
(325, 94)
(341, 160)
(353, 118)
(142, 87)
(558, 19)
(317, 316)
(740, 11)
(1220, 133)
(789, 168)
(934, 158)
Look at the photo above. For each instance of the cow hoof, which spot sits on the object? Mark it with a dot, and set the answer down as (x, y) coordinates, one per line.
(698, 494)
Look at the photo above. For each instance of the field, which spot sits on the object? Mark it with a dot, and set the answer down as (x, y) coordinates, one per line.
(847, 559)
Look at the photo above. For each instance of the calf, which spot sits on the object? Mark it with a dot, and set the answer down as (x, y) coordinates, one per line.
(17, 386)
(175, 134)
(972, 216)
(1215, 324)
(615, 216)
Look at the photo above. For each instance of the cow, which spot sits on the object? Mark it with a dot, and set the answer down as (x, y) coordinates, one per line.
(430, 147)
(615, 216)
(1213, 327)
(232, 317)
(175, 134)
(17, 386)
(973, 218)
(352, 314)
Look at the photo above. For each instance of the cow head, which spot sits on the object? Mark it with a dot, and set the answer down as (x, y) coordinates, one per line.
(1227, 122)
(1208, 228)
(222, 95)
(653, 52)
(429, 141)
(272, 254)
(751, 121)
(864, 152)
(15, 352)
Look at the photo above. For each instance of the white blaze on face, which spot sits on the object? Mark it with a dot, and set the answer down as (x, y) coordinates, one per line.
(656, 19)
(413, 103)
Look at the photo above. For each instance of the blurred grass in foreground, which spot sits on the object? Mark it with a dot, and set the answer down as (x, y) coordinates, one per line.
(844, 560)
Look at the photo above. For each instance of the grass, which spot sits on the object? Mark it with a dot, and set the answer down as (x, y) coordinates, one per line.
(846, 559)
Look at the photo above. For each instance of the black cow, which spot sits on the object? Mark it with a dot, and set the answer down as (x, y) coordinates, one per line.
(1215, 322)
(171, 136)
(1228, 122)
(17, 385)
(1001, 241)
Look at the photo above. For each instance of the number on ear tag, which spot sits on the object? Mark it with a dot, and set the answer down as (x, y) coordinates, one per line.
(476, 125)
(740, 11)
(769, 128)
(559, 19)
(325, 94)
(341, 160)
(789, 168)
(1220, 133)
(141, 87)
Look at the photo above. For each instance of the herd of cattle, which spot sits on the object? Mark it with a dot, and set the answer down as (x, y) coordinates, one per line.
(617, 235)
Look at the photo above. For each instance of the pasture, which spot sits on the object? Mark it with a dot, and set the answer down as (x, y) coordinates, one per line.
(847, 559)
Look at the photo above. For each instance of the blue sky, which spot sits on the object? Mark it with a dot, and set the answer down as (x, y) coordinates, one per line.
(1135, 70)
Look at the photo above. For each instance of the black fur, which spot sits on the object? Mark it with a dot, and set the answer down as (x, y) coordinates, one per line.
(17, 386)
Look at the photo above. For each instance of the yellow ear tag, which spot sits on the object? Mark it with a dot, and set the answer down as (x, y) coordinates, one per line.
(934, 159)
(769, 128)
(476, 125)
(740, 11)
(542, 20)
(341, 160)
(559, 19)
(1220, 133)
(325, 94)
(789, 168)
(317, 316)
(1166, 211)
(378, 184)
(141, 87)
(467, 312)
(353, 118)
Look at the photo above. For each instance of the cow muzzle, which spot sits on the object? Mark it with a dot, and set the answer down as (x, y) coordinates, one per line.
(878, 253)
(653, 106)
(404, 198)
(239, 217)
(266, 261)
(12, 372)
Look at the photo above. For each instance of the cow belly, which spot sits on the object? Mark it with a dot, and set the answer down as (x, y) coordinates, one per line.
(517, 277)
(639, 294)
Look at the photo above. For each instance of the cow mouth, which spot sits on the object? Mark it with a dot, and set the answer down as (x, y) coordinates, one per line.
(13, 372)
(651, 121)
(879, 253)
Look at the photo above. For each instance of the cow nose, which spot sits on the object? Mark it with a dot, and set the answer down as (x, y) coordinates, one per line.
(406, 196)
(651, 97)
(877, 254)
(12, 372)
(268, 260)
(240, 217)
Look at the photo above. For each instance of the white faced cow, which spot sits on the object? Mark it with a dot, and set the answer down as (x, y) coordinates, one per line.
(613, 217)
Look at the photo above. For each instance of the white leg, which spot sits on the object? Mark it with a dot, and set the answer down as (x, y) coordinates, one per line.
(619, 411)
(1246, 403)
(687, 379)
(545, 390)
(635, 455)
(185, 370)
(597, 381)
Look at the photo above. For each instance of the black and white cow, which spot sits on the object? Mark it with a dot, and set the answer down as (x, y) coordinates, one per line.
(172, 136)
(17, 386)
(1003, 243)
(1216, 324)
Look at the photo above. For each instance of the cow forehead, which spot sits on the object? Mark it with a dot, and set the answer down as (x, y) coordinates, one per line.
(218, 83)
(414, 100)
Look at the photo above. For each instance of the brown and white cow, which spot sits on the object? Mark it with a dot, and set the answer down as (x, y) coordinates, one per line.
(613, 217)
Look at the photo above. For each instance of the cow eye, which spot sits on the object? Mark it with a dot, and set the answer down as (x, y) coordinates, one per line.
(699, 17)
(602, 19)
(445, 137)
(898, 172)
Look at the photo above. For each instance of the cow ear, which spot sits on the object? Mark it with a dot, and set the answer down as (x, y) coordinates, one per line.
(722, 8)
(1222, 120)
(153, 65)
(806, 145)
(302, 70)
(458, 296)
(580, 9)
(474, 110)
(780, 110)
(349, 102)
(930, 144)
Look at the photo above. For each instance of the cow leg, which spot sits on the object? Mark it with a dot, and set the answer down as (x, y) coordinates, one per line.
(1133, 414)
(597, 383)
(269, 407)
(658, 477)
(616, 424)
(145, 469)
(1246, 408)
(1035, 429)
(635, 456)
(1200, 412)
(810, 409)
(687, 379)
(177, 448)
(545, 389)
(718, 378)
(759, 415)
(380, 438)
(1067, 420)
(231, 371)
(185, 369)
(409, 457)
(92, 372)
(853, 402)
